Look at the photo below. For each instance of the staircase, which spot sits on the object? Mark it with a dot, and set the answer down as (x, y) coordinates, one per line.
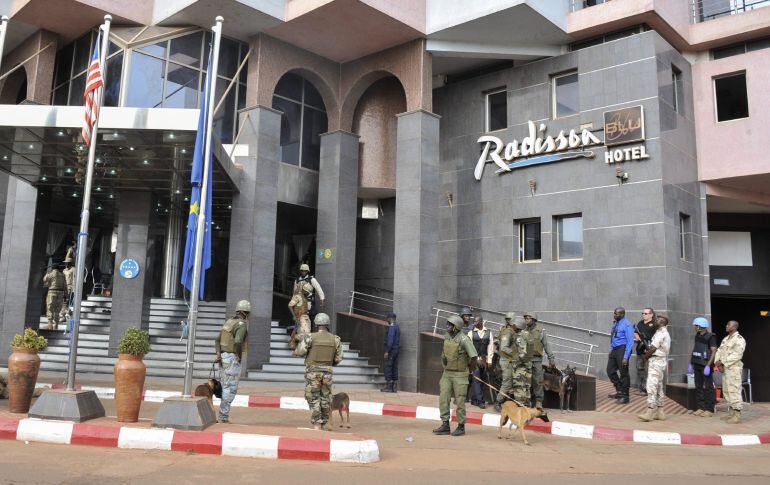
(167, 355)
(284, 368)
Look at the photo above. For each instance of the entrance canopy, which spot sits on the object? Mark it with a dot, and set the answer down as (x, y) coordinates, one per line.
(140, 149)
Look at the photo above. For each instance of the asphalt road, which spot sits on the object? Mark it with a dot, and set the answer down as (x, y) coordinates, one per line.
(478, 457)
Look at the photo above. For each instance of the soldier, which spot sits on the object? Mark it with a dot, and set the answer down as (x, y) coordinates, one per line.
(729, 363)
(537, 344)
(316, 293)
(657, 362)
(69, 277)
(56, 283)
(458, 357)
(299, 307)
(467, 315)
(322, 351)
(702, 358)
(229, 347)
(508, 348)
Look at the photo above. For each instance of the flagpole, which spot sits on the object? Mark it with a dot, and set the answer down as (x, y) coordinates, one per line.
(80, 259)
(3, 29)
(200, 228)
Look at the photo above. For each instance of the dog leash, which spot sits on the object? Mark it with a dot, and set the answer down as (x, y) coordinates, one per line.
(498, 391)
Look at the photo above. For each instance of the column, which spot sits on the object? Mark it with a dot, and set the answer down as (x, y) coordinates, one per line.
(16, 261)
(172, 244)
(252, 227)
(416, 242)
(337, 208)
(131, 297)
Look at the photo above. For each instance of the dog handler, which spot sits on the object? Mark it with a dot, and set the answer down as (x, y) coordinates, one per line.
(513, 362)
(229, 346)
(322, 351)
(458, 357)
(537, 345)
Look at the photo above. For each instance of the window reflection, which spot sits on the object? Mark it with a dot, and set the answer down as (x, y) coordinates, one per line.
(145, 82)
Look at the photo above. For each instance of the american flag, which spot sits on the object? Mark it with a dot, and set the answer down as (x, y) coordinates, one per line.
(93, 93)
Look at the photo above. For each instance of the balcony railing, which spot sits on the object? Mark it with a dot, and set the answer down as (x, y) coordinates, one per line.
(704, 10)
(581, 4)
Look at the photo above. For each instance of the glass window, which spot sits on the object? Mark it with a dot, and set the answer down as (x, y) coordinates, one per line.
(731, 97)
(678, 87)
(64, 65)
(566, 95)
(61, 95)
(290, 129)
(186, 49)
(228, 58)
(497, 110)
(313, 97)
(181, 87)
(113, 74)
(529, 240)
(78, 86)
(82, 53)
(569, 237)
(290, 86)
(145, 82)
(685, 231)
(158, 49)
(313, 125)
(223, 120)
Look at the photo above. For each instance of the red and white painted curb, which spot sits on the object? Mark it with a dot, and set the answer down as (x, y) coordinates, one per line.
(558, 428)
(208, 442)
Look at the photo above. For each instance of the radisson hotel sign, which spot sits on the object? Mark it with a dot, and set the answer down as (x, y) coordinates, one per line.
(621, 127)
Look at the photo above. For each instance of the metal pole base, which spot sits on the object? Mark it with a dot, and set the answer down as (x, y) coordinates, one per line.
(63, 405)
(186, 413)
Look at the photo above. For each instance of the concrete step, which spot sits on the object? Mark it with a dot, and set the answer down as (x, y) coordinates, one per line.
(199, 334)
(90, 351)
(205, 342)
(300, 369)
(180, 302)
(284, 344)
(338, 378)
(347, 361)
(286, 352)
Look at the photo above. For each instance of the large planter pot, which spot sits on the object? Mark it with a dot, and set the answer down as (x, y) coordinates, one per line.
(129, 384)
(23, 366)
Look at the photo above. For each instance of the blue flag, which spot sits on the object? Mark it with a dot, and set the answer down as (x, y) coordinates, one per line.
(196, 180)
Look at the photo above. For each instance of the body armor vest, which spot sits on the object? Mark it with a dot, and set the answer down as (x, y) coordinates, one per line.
(456, 357)
(701, 351)
(535, 342)
(227, 335)
(322, 349)
(508, 348)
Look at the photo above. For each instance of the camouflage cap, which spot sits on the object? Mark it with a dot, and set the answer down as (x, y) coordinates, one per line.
(322, 320)
(243, 306)
(519, 323)
(304, 267)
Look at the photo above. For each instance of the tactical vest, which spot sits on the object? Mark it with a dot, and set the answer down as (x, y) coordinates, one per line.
(322, 349)
(298, 287)
(508, 348)
(701, 351)
(58, 282)
(227, 335)
(481, 344)
(457, 358)
(535, 342)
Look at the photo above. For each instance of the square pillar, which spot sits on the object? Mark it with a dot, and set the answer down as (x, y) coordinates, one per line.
(415, 266)
(335, 265)
(131, 297)
(252, 228)
(16, 262)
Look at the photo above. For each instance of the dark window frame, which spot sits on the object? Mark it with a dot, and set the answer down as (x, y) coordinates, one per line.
(554, 104)
(488, 111)
(715, 80)
(677, 88)
(522, 246)
(557, 239)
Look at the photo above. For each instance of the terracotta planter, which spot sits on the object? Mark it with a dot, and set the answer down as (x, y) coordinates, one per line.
(129, 384)
(23, 365)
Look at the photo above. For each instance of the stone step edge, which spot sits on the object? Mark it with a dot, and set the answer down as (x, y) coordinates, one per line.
(208, 442)
(558, 428)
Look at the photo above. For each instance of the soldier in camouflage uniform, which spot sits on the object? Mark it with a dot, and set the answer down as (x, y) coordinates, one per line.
(458, 357)
(299, 306)
(69, 277)
(322, 351)
(517, 372)
(537, 345)
(729, 361)
(229, 346)
(57, 285)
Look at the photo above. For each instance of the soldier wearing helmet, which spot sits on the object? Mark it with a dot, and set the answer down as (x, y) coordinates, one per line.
(537, 345)
(467, 315)
(513, 362)
(316, 293)
(299, 305)
(229, 346)
(69, 278)
(703, 352)
(458, 357)
(322, 351)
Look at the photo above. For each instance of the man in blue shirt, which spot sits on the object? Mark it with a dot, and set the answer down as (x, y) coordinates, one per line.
(392, 341)
(621, 344)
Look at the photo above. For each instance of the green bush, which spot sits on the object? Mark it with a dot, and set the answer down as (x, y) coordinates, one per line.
(30, 340)
(134, 342)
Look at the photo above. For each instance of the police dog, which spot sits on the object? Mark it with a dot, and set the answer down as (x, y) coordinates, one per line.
(561, 382)
(520, 416)
(340, 402)
(211, 388)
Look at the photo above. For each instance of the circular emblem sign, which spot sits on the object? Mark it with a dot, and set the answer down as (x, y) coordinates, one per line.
(129, 268)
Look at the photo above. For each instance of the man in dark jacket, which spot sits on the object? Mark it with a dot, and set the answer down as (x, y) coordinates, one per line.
(392, 342)
(643, 333)
(621, 344)
(702, 358)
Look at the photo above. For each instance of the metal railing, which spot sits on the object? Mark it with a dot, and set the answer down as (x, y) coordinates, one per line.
(581, 4)
(371, 305)
(705, 10)
(566, 350)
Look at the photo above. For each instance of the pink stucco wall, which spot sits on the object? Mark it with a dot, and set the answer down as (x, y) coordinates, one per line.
(738, 147)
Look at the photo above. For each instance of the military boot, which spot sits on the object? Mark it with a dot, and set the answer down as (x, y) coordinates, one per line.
(735, 418)
(539, 404)
(706, 414)
(699, 412)
(394, 386)
(729, 415)
(50, 325)
(648, 415)
(443, 429)
(660, 416)
(387, 387)
(459, 430)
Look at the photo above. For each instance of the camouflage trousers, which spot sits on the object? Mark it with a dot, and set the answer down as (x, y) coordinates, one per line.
(53, 304)
(731, 386)
(231, 375)
(65, 307)
(517, 377)
(318, 393)
(656, 374)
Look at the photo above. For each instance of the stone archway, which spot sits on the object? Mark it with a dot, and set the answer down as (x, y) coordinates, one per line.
(14, 88)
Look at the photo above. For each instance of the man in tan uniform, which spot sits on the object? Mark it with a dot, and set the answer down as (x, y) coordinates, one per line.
(657, 362)
(56, 283)
(299, 305)
(728, 361)
(69, 277)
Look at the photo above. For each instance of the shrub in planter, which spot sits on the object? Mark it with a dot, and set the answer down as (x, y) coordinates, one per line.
(129, 374)
(23, 366)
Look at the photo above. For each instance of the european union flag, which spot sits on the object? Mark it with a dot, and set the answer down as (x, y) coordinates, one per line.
(196, 180)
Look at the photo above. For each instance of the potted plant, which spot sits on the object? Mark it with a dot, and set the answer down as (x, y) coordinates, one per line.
(129, 374)
(23, 366)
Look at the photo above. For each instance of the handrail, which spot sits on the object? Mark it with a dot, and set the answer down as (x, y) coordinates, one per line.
(705, 10)
(367, 299)
(589, 331)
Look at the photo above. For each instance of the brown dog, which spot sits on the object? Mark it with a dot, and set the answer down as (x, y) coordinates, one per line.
(520, 416)
(340, 402)
(209, 390)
